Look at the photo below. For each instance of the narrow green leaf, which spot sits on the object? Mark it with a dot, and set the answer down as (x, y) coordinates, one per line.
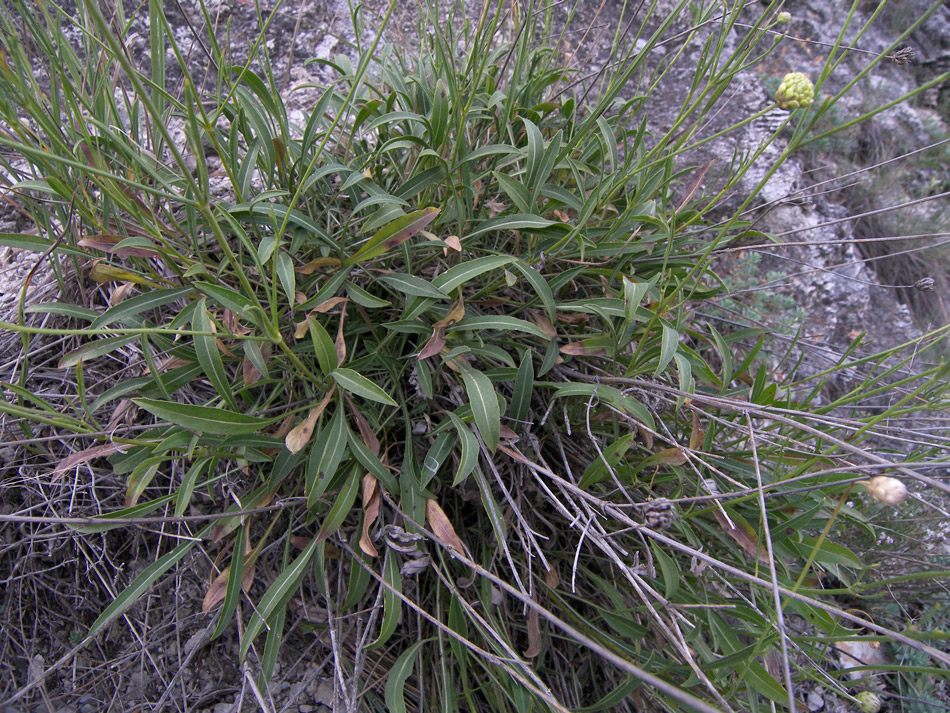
(392, 604)
(515, 191)
(277, 594)
(233, 592)
(326, 454)
(501, 323)
(395, 695)
(469, 445)
(323, 346)
(518, 221)
(95, 349)
(671, 575)
(523, 389)
(138, 304)
(362, 297)
(188, 481)
(356, 383)
(209, 357)
(609, 394)
(144, 581)
(463, 272)
(140, 510)
(204, 419)
(35, 243)
(285, 273)
(540, 286)
(669, 343)
(372, 463)
(481, 396)
(76, 312)
(412, 285)
(341, 506)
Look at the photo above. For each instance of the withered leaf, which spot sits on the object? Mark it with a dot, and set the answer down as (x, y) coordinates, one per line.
(744, 536)
(435, 344)
(315, 265)
(453, 246)
(534, 634)
(582, 349)
(83, 456)
(441, 526)
(372, 498)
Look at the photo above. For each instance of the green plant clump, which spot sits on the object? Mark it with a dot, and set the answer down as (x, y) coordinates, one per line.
(431, 358)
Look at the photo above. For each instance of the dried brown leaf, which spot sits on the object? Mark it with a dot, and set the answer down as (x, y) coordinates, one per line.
(219, 587)
(329, 304)
(121, 293)
(543, 323)
(302, 328)
(453, 246)
(697, 435)
(435, 344)
(250, 372)
(300, 434)
(340, 342)
(372, 497)
(743, 536)
(574, 318)
(456, 314)
(441, 526)
(83, 456)
(534, 634)
(582, 349)
(669, 456)
(369, 438)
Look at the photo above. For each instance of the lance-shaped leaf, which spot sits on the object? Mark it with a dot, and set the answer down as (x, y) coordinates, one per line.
(277, 595)
(356, 383)
(204, 419)
(393, 234)
(481, 396)
(206, 347)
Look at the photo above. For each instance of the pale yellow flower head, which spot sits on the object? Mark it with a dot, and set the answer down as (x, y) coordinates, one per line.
(886, 490)
(795, 92)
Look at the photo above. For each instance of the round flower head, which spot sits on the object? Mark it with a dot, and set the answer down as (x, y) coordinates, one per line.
(868, 702)
(795, 91)
(886, 490)
(783, 18)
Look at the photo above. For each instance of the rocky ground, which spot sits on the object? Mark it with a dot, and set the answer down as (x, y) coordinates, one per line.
(158, 656)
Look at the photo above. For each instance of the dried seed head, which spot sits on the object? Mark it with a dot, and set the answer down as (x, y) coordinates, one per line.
(658, 514)
(795, 92)
(886, 490)
(902, 56)
(925, 284)
(868, 702)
